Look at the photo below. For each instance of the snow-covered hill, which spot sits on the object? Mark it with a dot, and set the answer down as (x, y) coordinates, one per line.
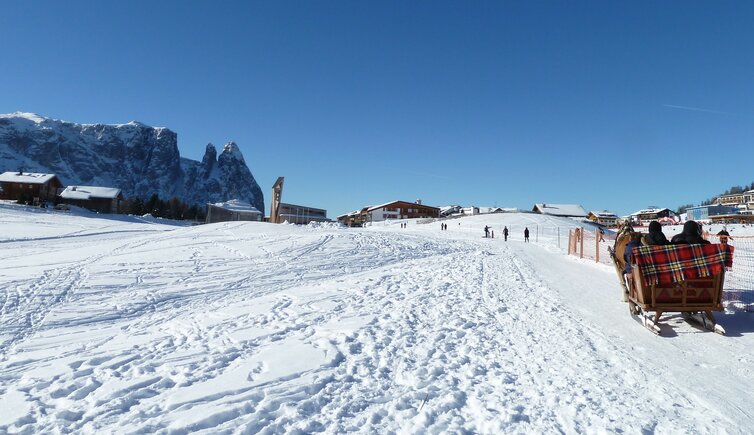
(132, 326)
(139, 159)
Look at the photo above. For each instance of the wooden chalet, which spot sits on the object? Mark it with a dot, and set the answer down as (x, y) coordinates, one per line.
(233, 210)
(29, 187)
(94, 198)
(605, 218)
(401, 210)
(643, 217)
(354, 219)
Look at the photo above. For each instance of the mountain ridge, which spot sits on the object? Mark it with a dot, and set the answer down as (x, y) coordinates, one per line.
(140, 160)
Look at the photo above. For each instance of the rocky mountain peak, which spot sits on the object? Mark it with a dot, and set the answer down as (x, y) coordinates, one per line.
(134, 157)
(231, 151)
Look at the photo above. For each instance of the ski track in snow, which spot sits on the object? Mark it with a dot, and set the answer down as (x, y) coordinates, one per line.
(256, 328)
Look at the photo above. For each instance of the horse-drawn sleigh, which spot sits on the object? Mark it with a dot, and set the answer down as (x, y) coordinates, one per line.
(671, 278)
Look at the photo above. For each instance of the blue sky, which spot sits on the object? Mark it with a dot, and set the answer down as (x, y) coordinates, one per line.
(612, 105)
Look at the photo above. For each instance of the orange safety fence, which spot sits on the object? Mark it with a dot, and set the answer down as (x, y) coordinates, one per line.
(591, 245)
(738, 288)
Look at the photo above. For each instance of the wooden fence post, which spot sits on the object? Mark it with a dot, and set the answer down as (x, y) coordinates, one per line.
(597, 245)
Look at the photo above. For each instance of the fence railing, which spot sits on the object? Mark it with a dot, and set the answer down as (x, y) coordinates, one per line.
(738, 288)
(591, 245)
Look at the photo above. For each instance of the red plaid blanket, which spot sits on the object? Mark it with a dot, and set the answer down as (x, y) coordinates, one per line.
(674, 263)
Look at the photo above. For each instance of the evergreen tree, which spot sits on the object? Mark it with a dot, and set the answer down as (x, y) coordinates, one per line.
(136, 207)
(192, 212)
(175, 208)
(149, 206)
(159, 209)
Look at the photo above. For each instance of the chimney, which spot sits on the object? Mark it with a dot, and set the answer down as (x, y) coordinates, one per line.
(73, 188)
(419, 201)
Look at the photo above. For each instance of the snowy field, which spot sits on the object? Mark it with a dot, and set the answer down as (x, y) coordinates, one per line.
(131, 325)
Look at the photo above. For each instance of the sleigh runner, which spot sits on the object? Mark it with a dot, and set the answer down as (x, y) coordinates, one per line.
(672, 278)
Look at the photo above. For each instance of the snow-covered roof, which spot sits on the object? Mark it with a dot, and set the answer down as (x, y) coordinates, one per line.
(89, 192)
(560, 209)
(375, 207)
(604, 214)
(353, 213)
(649, 210)
(25, 177)
(393, 202)
(450, 209)
(485, 210)
(237, 205)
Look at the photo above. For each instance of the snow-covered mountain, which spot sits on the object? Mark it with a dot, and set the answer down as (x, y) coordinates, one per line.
(139, 159)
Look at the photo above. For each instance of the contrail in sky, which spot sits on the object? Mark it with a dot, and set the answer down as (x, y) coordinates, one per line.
(695, 109)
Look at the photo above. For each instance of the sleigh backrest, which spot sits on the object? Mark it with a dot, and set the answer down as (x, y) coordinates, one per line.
(681, 276)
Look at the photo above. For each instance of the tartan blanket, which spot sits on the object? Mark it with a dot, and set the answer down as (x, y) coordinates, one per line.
(675, 263)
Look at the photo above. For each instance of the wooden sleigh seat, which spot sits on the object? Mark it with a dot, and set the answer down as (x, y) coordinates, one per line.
(678, 278)
(700, 294)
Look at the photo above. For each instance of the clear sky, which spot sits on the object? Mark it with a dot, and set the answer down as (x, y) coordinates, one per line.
(612, 105)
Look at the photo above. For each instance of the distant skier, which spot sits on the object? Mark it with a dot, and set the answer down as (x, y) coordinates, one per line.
(486, 231)
(526, 234)
(505, 233)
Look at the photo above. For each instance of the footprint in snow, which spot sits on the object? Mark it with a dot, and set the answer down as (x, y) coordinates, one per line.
(258, 369)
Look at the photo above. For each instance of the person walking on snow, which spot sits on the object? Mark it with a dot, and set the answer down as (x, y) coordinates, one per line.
(526, 234)
(505, 233)
(486, 231)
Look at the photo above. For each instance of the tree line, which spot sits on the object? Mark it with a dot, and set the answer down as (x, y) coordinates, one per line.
(732, 191)
(174, 208)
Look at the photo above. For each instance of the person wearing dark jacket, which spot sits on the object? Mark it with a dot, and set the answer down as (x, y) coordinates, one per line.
(724, 236)
(724, 239)
(691, 234)
(655, 236)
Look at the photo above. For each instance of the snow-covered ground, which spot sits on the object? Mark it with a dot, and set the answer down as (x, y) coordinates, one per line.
(132, 325)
